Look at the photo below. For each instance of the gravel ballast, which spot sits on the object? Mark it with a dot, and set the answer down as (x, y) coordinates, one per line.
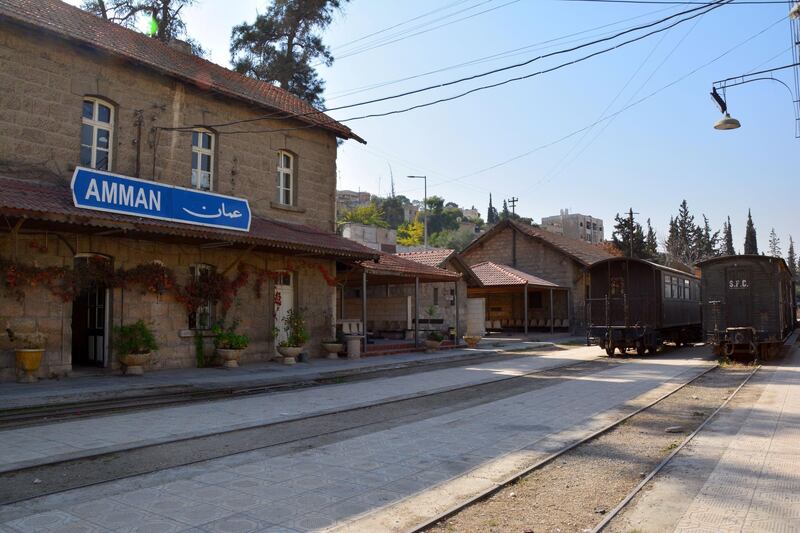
(573, 492)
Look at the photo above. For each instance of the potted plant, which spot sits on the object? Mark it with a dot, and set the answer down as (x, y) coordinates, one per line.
(229, 344)
(334, 346)
(472, 340)
(296, 336)
(28, 352)
(434, 340)
(134, 344)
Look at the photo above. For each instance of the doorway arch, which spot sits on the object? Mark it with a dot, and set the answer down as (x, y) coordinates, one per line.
(91, 317)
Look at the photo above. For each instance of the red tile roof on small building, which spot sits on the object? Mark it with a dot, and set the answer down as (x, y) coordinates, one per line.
(494, 275)
(33, 201)
(74, 24)
(392, 265)
(583, 252)
(433, 257)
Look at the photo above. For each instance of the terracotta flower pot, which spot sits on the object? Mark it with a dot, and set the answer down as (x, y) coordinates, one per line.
(28, 361)
(289, 353)
(133, 363)
(432, 345)
(333, 349)
(230, 358)
(472, 340)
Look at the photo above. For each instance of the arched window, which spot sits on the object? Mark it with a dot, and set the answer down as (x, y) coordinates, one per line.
(202, 159)
(285, 178)
(204, 317)
(97, 126)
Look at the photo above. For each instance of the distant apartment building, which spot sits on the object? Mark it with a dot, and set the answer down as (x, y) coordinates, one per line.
(471, 213)
(575, 226)
(382, 239)
(410, 212)
(347, 200)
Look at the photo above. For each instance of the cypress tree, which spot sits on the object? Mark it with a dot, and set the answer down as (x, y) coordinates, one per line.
(791, 258)
(750, 240)
(491, 215)
(727, 242)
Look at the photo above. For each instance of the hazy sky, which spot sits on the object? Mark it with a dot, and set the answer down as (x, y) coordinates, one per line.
(649, 157)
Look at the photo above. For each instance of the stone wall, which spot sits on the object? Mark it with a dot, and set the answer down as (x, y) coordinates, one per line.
(538, 259)
(41, 310)
(42, 85)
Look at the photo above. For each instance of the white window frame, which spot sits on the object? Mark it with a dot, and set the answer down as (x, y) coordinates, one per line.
(283, 171)
(208, 306)
(97, 124)
(200, 151)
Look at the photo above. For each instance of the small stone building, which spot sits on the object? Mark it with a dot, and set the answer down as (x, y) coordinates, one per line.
(553, 259)
(80, 96)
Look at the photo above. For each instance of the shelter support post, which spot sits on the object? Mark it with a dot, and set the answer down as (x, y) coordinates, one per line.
(525, 308)
(552, 314)
(455, 302)
(364, 306)
(416, 311)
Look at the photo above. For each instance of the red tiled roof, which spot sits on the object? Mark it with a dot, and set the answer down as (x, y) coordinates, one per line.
(494, 275)
(72, 23)
(433, 257)
(392, 265)
(583, 252)
(53, 203)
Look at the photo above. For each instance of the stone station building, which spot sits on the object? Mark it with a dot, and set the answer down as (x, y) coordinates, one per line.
(77, 92)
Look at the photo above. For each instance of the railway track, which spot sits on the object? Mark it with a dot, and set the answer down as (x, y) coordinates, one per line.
(20, 417)
(443, 516)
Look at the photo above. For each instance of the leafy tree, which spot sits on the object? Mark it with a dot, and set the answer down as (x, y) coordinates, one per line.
(283, 45)
(165, 15)
(750, 241)
(411, 233)
(393, 209)
(650, 242)
(624, 235)
(774, 244)
(455, 239)
(727, 239)
(491, 215)
(791, 258)
(369, 214)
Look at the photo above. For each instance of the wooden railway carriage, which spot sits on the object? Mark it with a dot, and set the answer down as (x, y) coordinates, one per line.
(748, 304)
(637, 304)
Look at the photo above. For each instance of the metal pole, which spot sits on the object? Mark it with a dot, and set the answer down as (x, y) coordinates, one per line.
(425, 201)
(552, 316)
(364, 306)
(525, 311)
(416, 311)
(455, 301)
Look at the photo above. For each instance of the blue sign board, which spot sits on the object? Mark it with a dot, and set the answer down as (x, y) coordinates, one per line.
(103, 191)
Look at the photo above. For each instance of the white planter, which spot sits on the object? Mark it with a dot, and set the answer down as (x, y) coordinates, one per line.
(230, 358)
(432, 346)
(333, 349)
(289, 353)
(134, 363)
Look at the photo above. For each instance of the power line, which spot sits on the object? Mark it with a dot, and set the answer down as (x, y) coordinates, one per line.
(675, 2)
(476, 89)
(697, 11)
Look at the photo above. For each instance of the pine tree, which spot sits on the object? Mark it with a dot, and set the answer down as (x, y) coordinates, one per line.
(283, 46)
(706, 245)
(727, 239)
(505, 213)
(791, 258)
(491, 215)
(750, 240)
(672, 245)
(624, 235)
(774, 244)
(650, 242)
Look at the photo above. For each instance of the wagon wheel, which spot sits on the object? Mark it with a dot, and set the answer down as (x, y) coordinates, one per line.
(640, 348)
(610, 350)
(621, 350)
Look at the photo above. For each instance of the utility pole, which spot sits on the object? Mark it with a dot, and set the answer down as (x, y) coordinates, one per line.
(391, 177)
(424, 205)
(630, 237)
(513, 203)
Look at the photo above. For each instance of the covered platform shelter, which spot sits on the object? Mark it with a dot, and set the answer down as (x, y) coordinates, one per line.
(518, 300)
(383, 297)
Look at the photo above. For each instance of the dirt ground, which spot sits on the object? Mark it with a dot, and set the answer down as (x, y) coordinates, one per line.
(573, 492)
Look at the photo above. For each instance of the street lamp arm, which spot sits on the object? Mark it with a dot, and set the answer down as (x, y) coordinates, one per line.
(724, 83)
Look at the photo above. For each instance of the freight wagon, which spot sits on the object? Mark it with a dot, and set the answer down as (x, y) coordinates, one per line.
(748, 304)
(636, 304)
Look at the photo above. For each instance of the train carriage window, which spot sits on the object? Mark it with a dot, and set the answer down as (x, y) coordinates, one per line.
(686, 290)
(667, 286)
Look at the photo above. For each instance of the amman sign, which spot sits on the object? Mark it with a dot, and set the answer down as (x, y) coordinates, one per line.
(104, 191)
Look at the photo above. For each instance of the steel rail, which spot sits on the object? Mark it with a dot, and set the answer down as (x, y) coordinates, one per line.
(614, 512)
(419, 528)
